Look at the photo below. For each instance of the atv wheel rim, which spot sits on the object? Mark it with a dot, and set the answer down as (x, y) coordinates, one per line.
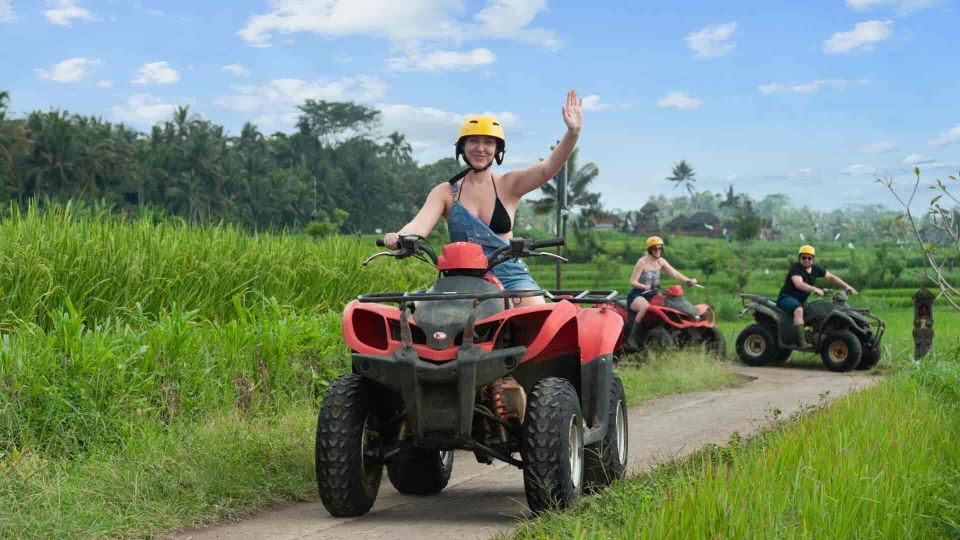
(576, 450)
(446, 456)
(621, 428)
(367, 458)
(838, 351)
(755, 345)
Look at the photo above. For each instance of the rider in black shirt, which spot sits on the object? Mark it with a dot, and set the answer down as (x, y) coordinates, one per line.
(798, 285)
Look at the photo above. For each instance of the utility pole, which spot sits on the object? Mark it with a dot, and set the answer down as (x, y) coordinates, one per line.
(561, 179)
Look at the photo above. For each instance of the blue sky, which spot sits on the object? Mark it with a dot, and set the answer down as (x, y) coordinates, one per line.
(813, 101)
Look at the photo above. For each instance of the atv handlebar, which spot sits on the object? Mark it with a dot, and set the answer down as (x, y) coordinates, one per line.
(413, 245)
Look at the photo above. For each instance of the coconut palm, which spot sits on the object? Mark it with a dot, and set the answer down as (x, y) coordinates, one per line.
(683, 175)
(578, 184)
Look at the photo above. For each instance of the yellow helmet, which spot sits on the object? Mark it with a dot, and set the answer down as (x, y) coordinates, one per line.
(807, 249)
(478, 124)
(654, 241)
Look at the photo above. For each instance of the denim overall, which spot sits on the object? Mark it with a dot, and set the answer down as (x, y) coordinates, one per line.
(466, 227)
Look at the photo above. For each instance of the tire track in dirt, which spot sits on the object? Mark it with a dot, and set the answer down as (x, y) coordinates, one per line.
(481, 500)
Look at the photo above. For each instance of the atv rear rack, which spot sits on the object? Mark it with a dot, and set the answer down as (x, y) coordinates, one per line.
(588, 296)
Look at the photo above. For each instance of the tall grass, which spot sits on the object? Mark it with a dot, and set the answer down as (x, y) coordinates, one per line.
(109, 267)
(881, 463)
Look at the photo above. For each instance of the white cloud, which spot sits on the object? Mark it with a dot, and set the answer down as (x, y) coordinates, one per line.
(143, 109)
(281, 96)
(70, 70)
(947, 136)
(859, 169)
(104, 84)
(917, 159)
(680, 100)
(863, 37)
(6, 12)
(63, 12)
(770, 88)
(592, 103)
(879, 147)
(433, 131)
(237, 70)
(731, 177)
(416, 60)
(155, 12)
(156, 73)
(712, 41)
(408, 21)
(902, 7)
(804, 88)
(804, 172)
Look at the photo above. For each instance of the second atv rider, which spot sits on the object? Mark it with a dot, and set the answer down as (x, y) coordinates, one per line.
(645, 281)
(798, 285)
(479, 205)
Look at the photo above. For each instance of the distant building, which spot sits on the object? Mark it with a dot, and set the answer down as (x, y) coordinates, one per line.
(648, 221)
(607, 222)
(703, 224)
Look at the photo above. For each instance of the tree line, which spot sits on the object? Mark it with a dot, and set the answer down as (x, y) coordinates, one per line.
(330, 169)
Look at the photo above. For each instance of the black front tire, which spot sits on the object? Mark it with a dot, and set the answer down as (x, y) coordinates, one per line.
(348, 476)
(656, 340)
(426, 472)
(757, 346)
(552, 447)
(716, 342)
(782, 356)
(869, 358)
(606, 459)
(840, 351)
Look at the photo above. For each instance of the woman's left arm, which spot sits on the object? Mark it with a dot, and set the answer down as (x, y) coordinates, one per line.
(675, 274)
(526, 180)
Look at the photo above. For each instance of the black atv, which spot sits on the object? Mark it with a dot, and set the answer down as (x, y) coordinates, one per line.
(846, 337)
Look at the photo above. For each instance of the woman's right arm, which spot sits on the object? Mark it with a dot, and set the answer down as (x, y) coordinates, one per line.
(426, 219)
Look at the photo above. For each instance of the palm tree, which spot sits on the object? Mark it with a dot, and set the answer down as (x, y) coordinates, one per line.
(578, 184)
(397, 148)
(683, 175)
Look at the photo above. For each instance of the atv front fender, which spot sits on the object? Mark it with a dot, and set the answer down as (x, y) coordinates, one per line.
(842, 319)
(598, 332)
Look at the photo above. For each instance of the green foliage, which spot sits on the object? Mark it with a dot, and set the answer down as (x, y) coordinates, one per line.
(748, 227)
(683, 175)
(606, 269)
(321, 229)
(710, 261)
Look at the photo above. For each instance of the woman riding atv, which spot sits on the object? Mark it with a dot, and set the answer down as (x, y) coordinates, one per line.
(479, 206)
(798, 285)
(645, 281)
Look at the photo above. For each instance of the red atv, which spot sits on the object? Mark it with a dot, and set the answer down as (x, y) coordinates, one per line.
(672, 321)
(455, 367)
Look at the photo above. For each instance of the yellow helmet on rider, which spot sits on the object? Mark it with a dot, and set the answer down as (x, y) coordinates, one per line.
(482, 125)
(654, 241)
(807, 249)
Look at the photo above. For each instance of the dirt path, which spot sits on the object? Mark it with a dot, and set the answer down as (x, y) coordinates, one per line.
(483, 499)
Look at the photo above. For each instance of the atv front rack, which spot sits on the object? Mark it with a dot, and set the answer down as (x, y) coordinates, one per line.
(404, 297)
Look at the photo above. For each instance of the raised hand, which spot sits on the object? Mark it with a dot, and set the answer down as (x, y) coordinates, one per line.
(573, 112)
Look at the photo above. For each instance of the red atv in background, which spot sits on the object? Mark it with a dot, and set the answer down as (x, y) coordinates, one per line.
(455, 367)
(670, 322)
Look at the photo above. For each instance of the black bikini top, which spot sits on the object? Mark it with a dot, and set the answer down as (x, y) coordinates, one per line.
(500, 220)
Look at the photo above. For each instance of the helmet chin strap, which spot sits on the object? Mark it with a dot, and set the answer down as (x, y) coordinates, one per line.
(466, 171)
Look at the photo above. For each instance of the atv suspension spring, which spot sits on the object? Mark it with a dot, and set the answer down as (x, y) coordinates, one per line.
(496, 399)
(499, 407)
